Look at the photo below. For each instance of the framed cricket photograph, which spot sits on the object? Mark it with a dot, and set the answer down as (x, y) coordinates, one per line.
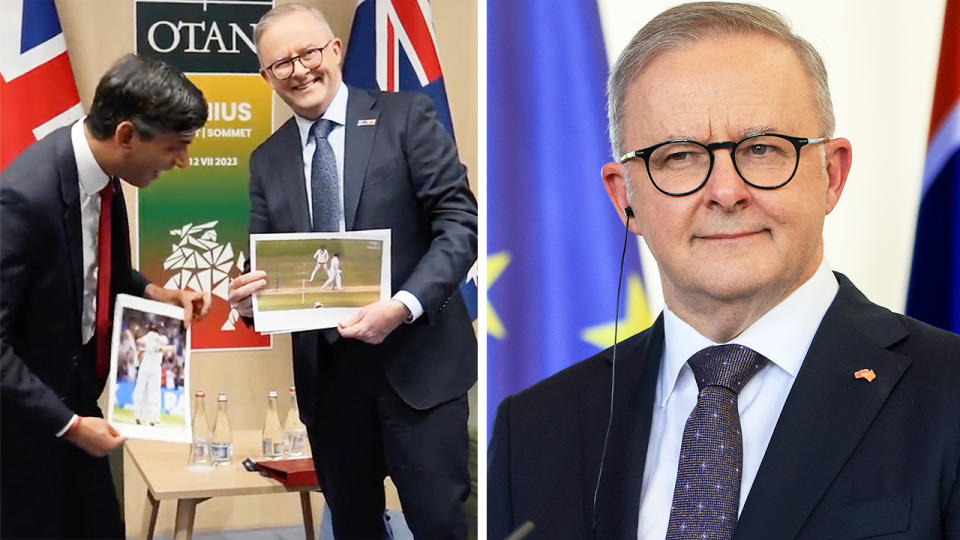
(316, 279)
(149, 378)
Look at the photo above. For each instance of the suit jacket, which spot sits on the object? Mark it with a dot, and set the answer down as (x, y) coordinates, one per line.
(847, 459)
(47, 374)
(400, 173)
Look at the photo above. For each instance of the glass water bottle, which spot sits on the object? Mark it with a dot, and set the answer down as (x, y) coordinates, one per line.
(200, 447)
(293, 429)
(273, 442)
(221, 444)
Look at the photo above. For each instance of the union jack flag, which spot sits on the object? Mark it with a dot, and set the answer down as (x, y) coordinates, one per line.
(37, 90)
(393, 47)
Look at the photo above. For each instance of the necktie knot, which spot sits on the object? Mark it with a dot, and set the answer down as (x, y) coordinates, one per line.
(106, 194)
(322, 128)
(730, 366)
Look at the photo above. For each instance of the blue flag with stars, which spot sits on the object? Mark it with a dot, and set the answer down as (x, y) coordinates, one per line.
(554, 239)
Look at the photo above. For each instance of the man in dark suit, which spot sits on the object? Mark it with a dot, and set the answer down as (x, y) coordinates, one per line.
(54, 324)
(385, 392)
(770, 399)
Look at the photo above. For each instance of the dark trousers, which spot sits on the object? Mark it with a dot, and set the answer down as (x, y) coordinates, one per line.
(53, 489)
(363, 431)
(50, 488)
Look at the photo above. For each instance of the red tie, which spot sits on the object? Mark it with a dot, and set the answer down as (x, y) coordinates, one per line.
(102, 349)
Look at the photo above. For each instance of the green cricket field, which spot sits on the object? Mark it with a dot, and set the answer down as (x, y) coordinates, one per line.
(289, 265)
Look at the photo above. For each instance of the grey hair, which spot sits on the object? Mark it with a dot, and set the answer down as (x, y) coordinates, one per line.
(688, 24)
(286, 9)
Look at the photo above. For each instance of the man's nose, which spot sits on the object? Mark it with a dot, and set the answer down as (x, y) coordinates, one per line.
(298, 68)
(725, 188)
(182, 159)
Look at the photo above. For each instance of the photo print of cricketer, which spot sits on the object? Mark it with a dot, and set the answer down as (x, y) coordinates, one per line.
(770, 398)
(150, 370)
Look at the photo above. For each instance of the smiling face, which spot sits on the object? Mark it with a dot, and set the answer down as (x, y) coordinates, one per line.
(307, 92)
(729, 243)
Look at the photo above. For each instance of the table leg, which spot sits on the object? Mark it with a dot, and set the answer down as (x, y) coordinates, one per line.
(307, 508)
(186, 511)
(150, 510)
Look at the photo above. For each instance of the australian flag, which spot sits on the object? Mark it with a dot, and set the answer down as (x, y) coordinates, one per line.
(37, 90)
(934, 295)
(393, 48)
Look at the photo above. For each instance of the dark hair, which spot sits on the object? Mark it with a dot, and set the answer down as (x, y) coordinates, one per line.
(152, 95)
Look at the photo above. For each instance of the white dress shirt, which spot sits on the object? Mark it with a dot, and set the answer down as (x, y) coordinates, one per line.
(337, 113)
(783, 335)
(92, 180)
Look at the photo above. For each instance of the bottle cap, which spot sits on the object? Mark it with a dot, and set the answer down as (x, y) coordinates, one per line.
(200, 393)
(272, 393)
(221, 397)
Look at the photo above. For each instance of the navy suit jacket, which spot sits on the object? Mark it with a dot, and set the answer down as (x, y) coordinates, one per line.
(46, 374)
(401, 172)
(848, 458)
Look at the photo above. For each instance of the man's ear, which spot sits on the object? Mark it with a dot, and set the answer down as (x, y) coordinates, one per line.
(336, 47)
(124, 134)
(839, 157)
(614, 181)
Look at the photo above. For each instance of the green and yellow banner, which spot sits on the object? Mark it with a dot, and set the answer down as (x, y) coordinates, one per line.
(193, 222)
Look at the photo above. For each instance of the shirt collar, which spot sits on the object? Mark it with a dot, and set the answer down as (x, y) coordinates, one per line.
(92, 178)
(783, 334)
(336, 112)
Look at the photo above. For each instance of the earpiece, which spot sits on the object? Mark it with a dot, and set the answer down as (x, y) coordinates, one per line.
(613, 371)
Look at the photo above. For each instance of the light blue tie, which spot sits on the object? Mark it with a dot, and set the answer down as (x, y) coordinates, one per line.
(324, 182)
(706, 496)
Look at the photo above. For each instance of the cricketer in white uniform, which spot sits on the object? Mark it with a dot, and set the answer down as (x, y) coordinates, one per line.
(146, 393)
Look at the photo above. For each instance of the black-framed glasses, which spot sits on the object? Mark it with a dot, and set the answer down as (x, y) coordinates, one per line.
(309, 59)
(680, 167)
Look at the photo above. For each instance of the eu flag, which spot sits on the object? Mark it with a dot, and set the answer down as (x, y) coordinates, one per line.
(554, 239)
(934, 295)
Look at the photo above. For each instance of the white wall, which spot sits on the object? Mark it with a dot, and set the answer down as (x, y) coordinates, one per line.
(881, 57)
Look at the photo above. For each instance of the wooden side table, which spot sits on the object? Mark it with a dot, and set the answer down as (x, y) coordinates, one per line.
(163, 466)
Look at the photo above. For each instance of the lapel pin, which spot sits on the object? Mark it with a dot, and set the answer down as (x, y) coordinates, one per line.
(367, 122)
(867, 374)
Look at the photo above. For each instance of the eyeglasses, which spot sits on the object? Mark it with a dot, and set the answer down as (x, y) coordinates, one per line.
(309, 59)
(681, 167)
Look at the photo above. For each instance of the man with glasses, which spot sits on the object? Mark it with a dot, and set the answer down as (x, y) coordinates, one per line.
(385, 393)
(770, 399)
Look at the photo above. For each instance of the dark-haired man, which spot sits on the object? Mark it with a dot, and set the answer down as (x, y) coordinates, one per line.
(64, 256)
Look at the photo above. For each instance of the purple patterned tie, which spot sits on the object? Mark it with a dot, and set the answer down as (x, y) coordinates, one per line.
(707, 493)
(324, 181)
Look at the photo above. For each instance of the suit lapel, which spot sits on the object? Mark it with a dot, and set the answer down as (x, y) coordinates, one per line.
(288, 163)
(826, 414)
(70, 192)
(618, 501)
(358, 144)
